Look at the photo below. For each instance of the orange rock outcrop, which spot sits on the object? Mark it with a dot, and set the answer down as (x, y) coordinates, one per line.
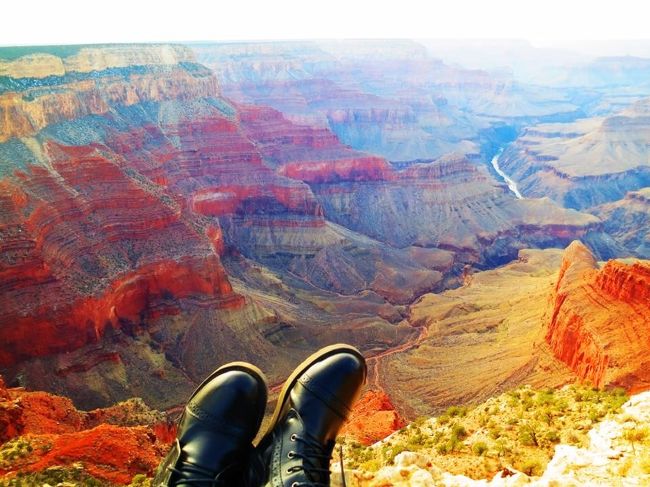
(600, 319)
(373, 418)
(60, 435)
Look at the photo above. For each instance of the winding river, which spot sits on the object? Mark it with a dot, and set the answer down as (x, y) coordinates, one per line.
(511, 184)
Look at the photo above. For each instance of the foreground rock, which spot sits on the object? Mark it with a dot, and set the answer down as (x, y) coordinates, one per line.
(45, 436)
(614, 452)
(373, 418)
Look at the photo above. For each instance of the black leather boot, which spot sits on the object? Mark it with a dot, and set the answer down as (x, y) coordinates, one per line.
(312, 406)
(214, 442)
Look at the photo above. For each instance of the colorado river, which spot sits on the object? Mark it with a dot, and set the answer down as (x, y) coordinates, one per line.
(511, 184)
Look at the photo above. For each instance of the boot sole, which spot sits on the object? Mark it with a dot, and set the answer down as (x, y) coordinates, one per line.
(295, 375)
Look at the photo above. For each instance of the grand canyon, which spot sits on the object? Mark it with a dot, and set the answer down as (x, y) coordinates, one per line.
(168, 208)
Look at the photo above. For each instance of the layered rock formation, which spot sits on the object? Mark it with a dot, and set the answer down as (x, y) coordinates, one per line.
(481, 339)
(124, 189)
(152, 229)
(547, 319)
(387, 97)
(599, 320)
(628, 221)
(87, 248)
(453, 204)
(449, 203)
(583, 164)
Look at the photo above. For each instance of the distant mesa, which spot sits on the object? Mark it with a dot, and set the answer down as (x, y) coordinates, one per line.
(585, 163)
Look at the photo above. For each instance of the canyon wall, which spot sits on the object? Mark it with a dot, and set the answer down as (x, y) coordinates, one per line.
(586, 163)
(127, 183)
(153, 228)
(599, 319)
(391, 98)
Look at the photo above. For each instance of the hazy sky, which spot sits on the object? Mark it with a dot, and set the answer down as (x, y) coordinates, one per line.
(542, 21)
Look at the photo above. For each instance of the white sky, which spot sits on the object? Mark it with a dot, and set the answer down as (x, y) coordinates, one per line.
(541, 21)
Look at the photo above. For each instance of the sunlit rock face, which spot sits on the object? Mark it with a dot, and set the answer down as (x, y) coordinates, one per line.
(599, 344)
(94, 248)
(586, 163)
(453, 204)
(105, 441)
(372, 419)
(153, 229)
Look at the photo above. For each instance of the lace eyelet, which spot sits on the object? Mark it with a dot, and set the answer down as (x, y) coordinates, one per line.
(290, 455)
(293, 437)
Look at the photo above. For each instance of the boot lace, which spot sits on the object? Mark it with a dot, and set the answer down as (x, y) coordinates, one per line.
(316, 457)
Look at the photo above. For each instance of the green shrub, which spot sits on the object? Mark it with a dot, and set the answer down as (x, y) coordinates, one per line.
(479, 448)
(458, 432)
(552, 436)
(528, 435)
(636, 435)
(444, 448)
(532, 468)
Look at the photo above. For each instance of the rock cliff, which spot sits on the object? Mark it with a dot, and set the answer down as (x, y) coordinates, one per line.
(628, 221)
(41, 433)
(586, 163)
(127, 184)
(390, 98)
(599, 317)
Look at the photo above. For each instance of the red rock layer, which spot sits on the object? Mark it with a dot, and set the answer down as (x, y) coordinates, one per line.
(132, 299)
(85, 247)
(600, 318)
(310, 154)
(357, 169)
(110, 453)
(217, 168)
(62, 435)
(373, 418)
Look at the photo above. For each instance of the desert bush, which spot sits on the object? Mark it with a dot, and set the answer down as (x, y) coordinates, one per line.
(531, 468)
(140, 480)
(494, 432)
(528, 434)
(456, 411)
(636, 435)
(444, 448)
(552, 436)
(479, 448)
(458, 432)
(74, 475)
